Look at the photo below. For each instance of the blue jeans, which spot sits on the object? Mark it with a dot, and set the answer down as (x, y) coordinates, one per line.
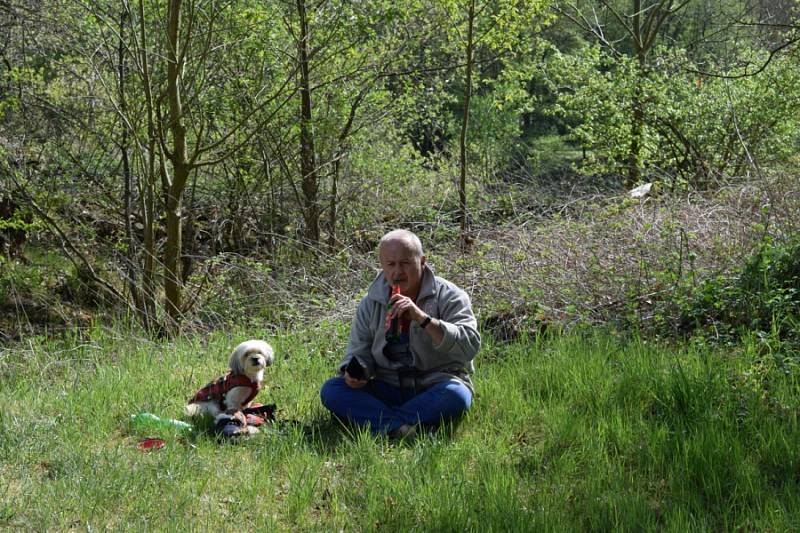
(383, 407)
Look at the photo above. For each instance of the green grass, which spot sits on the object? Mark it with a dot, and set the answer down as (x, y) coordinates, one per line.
(581, 432)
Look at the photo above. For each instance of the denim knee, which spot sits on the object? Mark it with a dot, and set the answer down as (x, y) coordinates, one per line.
(459, 396)
(330, 390)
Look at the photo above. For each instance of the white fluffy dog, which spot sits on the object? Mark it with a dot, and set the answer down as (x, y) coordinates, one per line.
(227, 395)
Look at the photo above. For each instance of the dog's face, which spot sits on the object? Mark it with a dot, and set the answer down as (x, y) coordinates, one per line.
(250, 358)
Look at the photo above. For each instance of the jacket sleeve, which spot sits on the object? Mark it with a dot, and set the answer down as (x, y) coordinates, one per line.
(461, 338)
(361, 337)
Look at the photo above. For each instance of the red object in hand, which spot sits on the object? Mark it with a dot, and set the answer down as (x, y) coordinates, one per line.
(395, 289)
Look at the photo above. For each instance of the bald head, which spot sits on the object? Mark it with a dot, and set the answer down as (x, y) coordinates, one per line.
(404, 237)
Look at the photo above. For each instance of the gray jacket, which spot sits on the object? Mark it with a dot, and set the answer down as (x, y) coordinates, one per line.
(438, 298)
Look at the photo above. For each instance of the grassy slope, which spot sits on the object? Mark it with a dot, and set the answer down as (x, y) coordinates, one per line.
(580, 432)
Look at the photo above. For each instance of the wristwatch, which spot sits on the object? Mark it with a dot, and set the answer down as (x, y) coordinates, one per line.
(425, 322)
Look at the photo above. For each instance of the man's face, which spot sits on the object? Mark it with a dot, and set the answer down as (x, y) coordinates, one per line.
(401, 267)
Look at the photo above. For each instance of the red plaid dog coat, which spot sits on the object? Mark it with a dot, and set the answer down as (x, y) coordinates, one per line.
(217, 389)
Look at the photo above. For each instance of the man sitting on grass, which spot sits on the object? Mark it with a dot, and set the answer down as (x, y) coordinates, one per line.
(411, 347)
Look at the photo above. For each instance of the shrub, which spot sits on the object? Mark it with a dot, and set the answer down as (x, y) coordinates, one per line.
(764, 296)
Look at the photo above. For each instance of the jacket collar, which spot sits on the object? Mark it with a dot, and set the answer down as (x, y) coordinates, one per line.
(379, 289)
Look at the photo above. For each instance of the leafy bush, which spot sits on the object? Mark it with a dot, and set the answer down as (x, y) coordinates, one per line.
(764, 296)
(694, 127)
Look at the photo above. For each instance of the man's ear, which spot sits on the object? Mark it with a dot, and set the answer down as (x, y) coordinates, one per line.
(423, 260)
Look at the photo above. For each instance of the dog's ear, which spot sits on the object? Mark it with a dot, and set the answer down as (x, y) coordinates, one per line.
(269, 354)
(235, 364)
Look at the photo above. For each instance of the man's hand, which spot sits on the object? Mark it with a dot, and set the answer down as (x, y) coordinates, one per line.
(352, 382)
(404, 307)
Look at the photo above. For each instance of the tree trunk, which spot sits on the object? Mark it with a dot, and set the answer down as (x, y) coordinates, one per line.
(149, 238)
(462, 182)
(180, 168)
(130, 255)
(310, 185)
(637, 133)
(637, 106)
(332, 214)
(147, 194)
(172, 252)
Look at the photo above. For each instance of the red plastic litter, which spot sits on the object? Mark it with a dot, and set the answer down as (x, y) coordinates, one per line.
(150, 444)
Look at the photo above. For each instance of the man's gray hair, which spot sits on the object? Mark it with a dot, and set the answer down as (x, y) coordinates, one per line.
(405, 236)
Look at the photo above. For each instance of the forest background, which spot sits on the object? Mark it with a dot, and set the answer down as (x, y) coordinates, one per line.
(194, 164)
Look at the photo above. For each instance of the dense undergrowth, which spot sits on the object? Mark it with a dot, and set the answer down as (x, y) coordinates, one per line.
(584, 431)
(716, 264)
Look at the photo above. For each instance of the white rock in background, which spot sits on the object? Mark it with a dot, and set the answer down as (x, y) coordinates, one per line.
(641, 191)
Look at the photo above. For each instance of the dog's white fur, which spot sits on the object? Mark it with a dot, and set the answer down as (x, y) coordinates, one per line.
(249, 358)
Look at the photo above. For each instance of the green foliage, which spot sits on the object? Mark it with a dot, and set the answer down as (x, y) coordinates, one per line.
(494, 129)
(763, 298)
(549, 153)
(713, 125)
(392, 175)
(695, 126)
(387, 88)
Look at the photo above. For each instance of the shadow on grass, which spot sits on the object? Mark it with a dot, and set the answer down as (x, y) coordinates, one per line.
(324, 434)
(327, 434)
